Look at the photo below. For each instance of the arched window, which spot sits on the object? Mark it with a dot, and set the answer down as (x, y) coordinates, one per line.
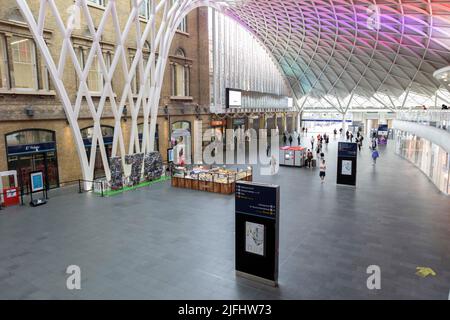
(108, 136)
(141, 135)
(180, 76)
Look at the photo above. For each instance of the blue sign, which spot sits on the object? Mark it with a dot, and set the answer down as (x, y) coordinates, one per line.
(37, 181)
(347, 150)
(255, 199)
(31, 148)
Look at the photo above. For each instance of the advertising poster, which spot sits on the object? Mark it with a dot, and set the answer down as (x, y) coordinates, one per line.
(346, 168)
(37, 181)
(254, 238)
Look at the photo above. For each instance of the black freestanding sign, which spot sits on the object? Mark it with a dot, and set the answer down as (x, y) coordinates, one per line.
(347, 162)
(257, 227)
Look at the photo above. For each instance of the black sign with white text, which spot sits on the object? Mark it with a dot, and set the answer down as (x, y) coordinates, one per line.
(257, 231)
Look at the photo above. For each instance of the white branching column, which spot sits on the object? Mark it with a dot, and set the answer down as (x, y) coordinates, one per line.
(160, 38)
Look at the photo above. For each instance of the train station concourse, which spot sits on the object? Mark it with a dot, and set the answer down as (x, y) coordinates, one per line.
(207, 150)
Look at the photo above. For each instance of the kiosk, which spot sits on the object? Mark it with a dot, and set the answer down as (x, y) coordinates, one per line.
(9, 196)
(292, 156)
(347, 161)
(257, 231)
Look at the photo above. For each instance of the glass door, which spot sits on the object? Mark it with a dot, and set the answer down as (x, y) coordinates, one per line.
(23, 165)
(52, 169)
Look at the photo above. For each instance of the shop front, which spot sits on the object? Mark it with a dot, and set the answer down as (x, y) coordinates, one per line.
(255, 124)
(430, 158)
(108, 136)
(181, 142)
(219, 127)
(239, 123)
(33, 150)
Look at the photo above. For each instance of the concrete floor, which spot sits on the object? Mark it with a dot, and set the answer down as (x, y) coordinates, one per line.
(165, 243)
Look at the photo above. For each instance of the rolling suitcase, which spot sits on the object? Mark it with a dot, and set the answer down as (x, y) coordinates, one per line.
(314, 163)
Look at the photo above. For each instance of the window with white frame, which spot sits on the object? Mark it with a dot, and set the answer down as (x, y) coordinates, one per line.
(144, 9)
(45, 83)
(3, 64)
(107, 59)
(180, 76)
(24, 63)
(183, 25)
(95, 77)
(134, 80)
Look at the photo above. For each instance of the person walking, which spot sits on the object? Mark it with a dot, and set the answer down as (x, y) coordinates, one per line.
(312, 142)
(351, 136)
(374, 144)
(290, 140)
(375, 156)
(318, 149)
(309, 158)
(284, 139)
(347, 135)
(359, 143)
(323, 170)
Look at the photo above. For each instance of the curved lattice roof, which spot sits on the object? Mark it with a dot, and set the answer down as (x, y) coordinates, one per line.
(353, 53)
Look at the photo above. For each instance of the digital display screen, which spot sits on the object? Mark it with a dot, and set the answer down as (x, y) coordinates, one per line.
(234, 98)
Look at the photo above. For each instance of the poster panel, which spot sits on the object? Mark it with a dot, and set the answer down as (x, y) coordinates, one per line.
(254, 238)
(346, 168)
(37, 181)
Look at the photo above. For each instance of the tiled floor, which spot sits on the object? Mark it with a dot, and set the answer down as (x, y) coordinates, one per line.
(160, 242)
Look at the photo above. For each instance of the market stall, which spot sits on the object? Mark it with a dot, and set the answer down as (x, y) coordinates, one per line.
(292, 156)
(210, 179)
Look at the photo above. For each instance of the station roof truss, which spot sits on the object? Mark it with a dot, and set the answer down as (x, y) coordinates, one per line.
(344, 54)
